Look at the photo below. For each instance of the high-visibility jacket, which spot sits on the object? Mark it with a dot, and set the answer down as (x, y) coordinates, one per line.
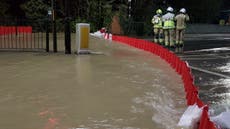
(157, 21)
(168, 20)
(181, 21)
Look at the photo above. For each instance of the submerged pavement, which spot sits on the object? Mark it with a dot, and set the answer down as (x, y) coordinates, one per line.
(117, 87)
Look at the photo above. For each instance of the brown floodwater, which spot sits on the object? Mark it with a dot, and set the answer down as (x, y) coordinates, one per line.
(118, 87)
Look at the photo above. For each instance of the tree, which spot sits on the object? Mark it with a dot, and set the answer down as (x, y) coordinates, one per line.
(35, 9)
(97, 12)
(4, 6)
(201, 13)
(225, 4)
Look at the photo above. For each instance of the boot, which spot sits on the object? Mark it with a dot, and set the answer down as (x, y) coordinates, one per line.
(172, 48)
(177, 50)
(181, 49)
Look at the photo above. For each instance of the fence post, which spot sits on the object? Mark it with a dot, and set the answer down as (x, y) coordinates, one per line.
(54, 26)
(67, 28)
(47, 36)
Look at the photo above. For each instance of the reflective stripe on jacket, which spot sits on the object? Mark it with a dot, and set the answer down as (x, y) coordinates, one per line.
(157, 21)
(168, 20)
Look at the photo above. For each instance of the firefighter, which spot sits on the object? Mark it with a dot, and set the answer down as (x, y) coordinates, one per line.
(168, 27)
(181, 20)
(157, 27)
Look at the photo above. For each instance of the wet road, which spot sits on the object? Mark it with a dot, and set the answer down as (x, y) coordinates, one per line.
(206, 41)
(209, 57)
(123, 88)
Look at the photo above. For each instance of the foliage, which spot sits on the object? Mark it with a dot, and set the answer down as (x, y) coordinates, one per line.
(96, 12)
(4, 6)
(99, 13)
(138, 24)
(74, 22)
(124, 20)
(108, 15)
(35, 9)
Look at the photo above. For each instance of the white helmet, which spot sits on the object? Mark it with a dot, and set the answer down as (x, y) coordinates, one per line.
(183, 10)
(170, 9)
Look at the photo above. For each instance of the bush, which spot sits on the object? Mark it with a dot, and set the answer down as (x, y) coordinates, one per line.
(74, 22)
(139, 28)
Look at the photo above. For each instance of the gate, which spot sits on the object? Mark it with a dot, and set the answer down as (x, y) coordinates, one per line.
(22, 35)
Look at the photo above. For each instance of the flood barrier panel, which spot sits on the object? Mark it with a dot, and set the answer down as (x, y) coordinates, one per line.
(181, 67)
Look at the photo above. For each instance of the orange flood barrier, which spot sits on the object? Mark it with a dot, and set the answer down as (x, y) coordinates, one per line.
(181, 67)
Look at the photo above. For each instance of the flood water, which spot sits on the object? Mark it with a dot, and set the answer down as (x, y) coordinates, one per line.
(211, 69)
(119, 88)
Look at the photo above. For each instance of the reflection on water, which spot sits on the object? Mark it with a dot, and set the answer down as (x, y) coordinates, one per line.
(224, 93)
(221, 91)
(213, 89)
(117, 90)
(224, 68)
